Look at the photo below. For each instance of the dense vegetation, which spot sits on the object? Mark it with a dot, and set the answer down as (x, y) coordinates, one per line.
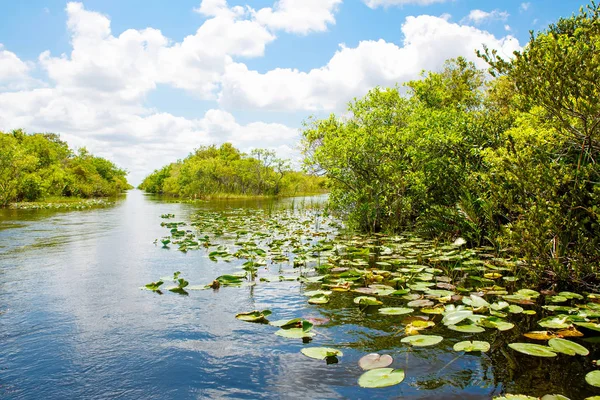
(37, 166)
(224, 171)
(508, 161)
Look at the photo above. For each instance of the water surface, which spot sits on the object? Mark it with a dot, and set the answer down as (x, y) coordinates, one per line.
(75, 325)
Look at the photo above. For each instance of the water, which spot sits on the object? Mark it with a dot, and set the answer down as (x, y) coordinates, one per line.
(75, 325)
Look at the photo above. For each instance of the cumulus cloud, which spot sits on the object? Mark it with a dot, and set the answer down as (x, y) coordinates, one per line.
(524, 6)
(298, 16)
(388, 3)
(428, 42)
(14, 73)
(480, 16)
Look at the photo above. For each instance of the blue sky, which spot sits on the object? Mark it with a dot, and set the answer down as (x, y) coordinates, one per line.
(145, 82)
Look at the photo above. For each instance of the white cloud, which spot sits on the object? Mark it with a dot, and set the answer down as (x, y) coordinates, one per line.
(14, 73)
(351, 72)
(299, 16)
(507, 28)
(132, 64)
(480, 16)
(388, 3)
(524, 6)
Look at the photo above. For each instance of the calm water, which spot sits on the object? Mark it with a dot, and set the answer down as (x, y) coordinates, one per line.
(75, 325)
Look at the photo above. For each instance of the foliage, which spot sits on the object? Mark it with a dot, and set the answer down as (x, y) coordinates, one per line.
(38, 166)
(510, 162)
(213, 171)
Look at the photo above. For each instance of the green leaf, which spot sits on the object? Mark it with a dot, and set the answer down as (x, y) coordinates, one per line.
(395, 310)
(294, 333)
(381, 377)
(593, 378)
(567, 347)
(533, 349)
(321, 353)
(422, 340)
(472, 346)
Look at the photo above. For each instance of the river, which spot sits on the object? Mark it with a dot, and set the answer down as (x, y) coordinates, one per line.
(74, 323)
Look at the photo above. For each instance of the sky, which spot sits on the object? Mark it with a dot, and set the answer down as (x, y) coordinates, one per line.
(145, 82)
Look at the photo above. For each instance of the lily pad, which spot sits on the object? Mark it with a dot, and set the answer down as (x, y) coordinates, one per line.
(539, 335)
(254, 316)
(533, 349)
(467, 328)
(472, 346)
(557, 322)
(381, 377)
(374, 360)
(422, 340)
(367, 301)
(294, 333)
(395, 310)
(593, 378)
(568, 347)
(321, 353)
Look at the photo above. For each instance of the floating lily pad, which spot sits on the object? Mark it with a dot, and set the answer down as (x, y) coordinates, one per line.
(294, 333)
(539, 335)
(472, 346)
(254, 316)
(568, 347)
(420, 303)
(373, 361)
(467, 328)
(455, 317)
(556, 322)
(367, 301)
(319, 299)
(395, 310)
(515, 397)
(321, 353)
(533, 349)
(589, 325)
(593, 378)
(422, 340)
(381, 377)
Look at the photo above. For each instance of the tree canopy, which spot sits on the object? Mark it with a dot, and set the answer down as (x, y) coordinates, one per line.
(36, 166)
(509, 161)
(212, 171)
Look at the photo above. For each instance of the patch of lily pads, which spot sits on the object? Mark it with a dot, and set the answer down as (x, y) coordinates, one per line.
(443, 289)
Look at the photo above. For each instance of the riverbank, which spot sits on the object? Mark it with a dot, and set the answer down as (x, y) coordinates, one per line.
(63, 203)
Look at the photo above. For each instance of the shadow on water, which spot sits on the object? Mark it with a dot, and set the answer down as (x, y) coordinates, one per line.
(74, 323)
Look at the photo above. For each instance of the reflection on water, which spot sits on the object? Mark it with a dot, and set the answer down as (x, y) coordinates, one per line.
(74, 324)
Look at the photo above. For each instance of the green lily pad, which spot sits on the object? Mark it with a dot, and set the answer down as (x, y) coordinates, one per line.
(567, 347)
(467, 328)
(472, 346)
(395, 310)
(294, 333)
(319, 299)
(254, 316)
(593, 378)
(514, 397)
(367, 301)
(321, 353)
(374, 361)
(556, 322)
(589, 325)
(422, 340)
(381, 377)
(498, 323)
(533, 349)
